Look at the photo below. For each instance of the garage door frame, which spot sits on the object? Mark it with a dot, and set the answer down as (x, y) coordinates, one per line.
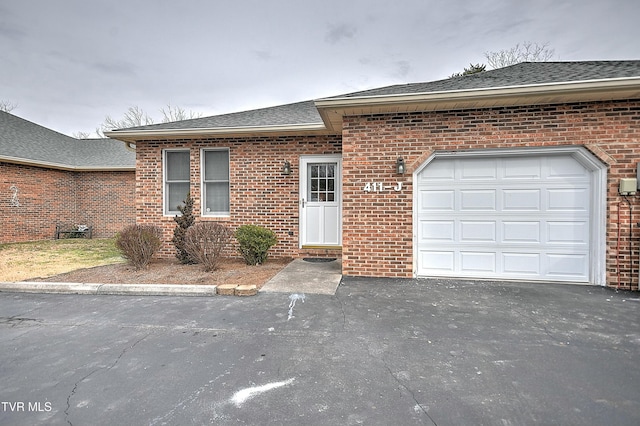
(598, 206)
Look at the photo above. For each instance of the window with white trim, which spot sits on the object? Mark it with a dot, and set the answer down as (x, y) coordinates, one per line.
(176, 179)
(215, 182)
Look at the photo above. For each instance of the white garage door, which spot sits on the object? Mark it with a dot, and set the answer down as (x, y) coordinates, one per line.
(506, 218)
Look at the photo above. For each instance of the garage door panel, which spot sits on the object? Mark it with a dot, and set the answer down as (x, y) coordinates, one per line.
(522, 200)
(474, 262)
(560, 168)
(478, 169)
(511, 217)
(518, 263)
(568, 199)
(478, 231)
(437, 200)
(441, 170)
(480, 199)
(437, 230)
(521, 232)
(566, 266)
(522, 168)
(437, 262)
(568, 232)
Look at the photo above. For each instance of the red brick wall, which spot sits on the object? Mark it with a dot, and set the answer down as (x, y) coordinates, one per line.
(47, 196)
(106, 200)
(260, 194)
(377, 229)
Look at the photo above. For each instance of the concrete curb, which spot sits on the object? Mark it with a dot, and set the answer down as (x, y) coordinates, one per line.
(108, 289)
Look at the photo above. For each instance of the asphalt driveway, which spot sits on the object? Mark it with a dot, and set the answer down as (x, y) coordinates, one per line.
(379, 352)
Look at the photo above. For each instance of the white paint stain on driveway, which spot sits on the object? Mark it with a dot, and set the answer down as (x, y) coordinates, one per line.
(244, 395)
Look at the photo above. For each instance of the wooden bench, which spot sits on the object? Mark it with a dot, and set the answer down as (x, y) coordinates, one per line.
(79, 231)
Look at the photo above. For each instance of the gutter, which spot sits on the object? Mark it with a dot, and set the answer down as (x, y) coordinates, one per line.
(130, 136)
(65, 167)
(467, 94)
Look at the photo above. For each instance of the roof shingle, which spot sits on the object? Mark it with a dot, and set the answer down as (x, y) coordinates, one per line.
(522, 74)
(23, 140)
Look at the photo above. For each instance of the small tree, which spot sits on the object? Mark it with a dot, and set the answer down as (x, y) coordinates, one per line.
(184, 221)
(7, 106)
(254, 242)
(205, 243)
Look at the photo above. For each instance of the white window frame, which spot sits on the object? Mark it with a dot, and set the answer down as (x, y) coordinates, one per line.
(203, 183)
(166, 182)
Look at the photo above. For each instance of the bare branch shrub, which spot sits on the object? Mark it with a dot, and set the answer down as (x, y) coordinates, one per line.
(138, 244)
(205, 242)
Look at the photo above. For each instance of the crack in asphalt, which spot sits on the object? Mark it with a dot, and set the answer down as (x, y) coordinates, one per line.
(106, 368)
(344, 314)
(406, 388)
(184, 403)
(540, 325)
(402, 384)
(15, 320)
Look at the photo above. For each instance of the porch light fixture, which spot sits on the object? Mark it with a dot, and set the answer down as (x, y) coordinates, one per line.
(400, 166)
(286, 169)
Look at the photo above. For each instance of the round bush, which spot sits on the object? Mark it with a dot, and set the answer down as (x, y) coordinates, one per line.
(255, 241)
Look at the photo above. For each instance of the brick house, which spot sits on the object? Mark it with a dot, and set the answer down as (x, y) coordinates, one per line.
(47, 178)
(510, 174)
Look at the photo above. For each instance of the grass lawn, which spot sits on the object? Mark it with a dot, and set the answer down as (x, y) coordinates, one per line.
(41, 259)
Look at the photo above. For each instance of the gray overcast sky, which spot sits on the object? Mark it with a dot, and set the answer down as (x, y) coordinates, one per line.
(69, 63)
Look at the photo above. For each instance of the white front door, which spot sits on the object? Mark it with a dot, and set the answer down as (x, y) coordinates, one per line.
(320, 200)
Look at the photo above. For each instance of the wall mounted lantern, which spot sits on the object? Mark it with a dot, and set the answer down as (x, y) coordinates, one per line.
(286, 169)
(400, 168)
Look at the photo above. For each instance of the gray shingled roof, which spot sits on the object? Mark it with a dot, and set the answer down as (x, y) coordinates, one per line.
(296, 113)
(28, 142)
(522, 74)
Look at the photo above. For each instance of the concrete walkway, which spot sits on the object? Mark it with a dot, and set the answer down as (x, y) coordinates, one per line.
(301, 276)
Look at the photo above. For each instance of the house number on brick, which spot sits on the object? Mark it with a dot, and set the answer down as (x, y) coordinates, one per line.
(379, 187)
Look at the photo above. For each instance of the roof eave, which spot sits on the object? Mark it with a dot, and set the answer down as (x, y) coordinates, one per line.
(332, 110)
(64, 167)
(132, 136)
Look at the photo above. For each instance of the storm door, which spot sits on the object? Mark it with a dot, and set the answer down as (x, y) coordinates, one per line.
(320, 201)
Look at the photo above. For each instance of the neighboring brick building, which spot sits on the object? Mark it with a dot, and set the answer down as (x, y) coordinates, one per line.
(48, 178)
(510, 174)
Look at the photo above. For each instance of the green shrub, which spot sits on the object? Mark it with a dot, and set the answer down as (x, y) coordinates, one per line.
(184, 221)
(138, 244)
(205, 242)
(254, 242)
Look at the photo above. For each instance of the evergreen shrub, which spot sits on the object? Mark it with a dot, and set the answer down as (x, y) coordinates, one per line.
(255, 241)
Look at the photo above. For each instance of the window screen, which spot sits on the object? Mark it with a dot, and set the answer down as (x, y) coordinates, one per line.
(216, 182)
(176, 179)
